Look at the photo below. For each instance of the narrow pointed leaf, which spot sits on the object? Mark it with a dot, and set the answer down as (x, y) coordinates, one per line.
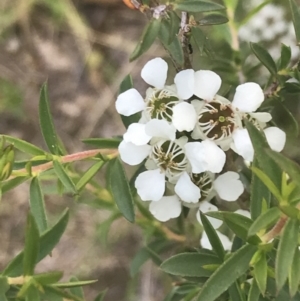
(46, 122)
(213, 19)
(37, 205)
(147, 39)
(11, 184)
(285, 252)
(74, 283)
(222, 279)
(235, 292)
(264, 221)
(260, 273)
(32, 294)
(213, 237)
(77, 290)
(31, 246)
(120, 190)
(285, 57)
(48, 278)
(4, 287)
(199, 38)
(48, 241)
(263, 55)
(103, 142)
(294, 275)
(190, 264)
(88, 175)
(254, 292)
(197, 6)
(63, 177)
(295, 10)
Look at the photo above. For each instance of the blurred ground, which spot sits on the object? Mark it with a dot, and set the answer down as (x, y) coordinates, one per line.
(84, 64)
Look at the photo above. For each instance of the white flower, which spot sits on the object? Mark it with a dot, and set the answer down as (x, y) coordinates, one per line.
(208, 207)
(243, 212)
(242, 144)
(184, 117)
(226, 242)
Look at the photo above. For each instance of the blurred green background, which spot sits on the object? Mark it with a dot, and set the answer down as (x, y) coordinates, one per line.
(81, 48)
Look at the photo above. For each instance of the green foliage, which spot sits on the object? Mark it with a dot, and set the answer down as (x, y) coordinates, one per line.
(197, 6)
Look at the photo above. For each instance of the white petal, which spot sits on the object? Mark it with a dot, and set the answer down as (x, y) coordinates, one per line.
(261, 116)
(150, 185)
(187, 190)
(130, 102)
(196, 155)
(208, 207)
(242, 144)
(155, 72)
(243, 212)
(136, 134)
(166, 208)
(228, 186)
(184, 117)
(160, 128)
(207, 84)
(248, 97)
(215, 156)
(184, 81)
(276, 138)
(205, 243)
(133, 154)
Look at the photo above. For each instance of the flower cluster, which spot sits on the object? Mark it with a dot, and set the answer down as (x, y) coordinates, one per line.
(182, 136)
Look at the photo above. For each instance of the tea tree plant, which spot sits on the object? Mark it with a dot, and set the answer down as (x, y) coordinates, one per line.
(207, 151)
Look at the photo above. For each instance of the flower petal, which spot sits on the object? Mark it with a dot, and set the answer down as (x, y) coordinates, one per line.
(160, 128)
(243, 212)
(133, 154)
(195, 153)
(184, 81)
(187, 190)
(242, 144)
(150, 185)
(208, 207)
(207, 84)
(228, 186)
(136, 134)
(205, 243)
(276, 138)
(166, 208)
(261, 116)
(155, 72)
(184, 117)
(248, 97)
(130, 102)
(215, 156)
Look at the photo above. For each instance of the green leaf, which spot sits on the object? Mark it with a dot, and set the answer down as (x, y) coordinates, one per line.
(190, 264)
(294, 275)
(174, 49)
(31, 246)
(120, 190)
(25, 146)
(37, 205)
(103, 142)
(231, 4)
(197, 6)
(74, 283)
(265, 58)
(77, 290)
(264, 221)
(48, 278)
(48, 241)
(254, 292)
(259, 192)
(292, 88)
(212, 236)
(268, 182)
(46, 123)
(148, 37)
(285, 252)
(260, 273)
(289, 166)
(63, 177)
(101, 296)
(199, 38)
(285, 57)
(260, 146)
(11, 184)
(55, 291)
(174, 26)
(32, 294)
(295, 10)
(88, 175)
(213, 19)
(235, 292)
(4, 287)
(222, 279)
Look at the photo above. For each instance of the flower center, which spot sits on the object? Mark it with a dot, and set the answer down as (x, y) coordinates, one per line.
(160, 104)
(204, 182)
(216, 120)
(170, 157)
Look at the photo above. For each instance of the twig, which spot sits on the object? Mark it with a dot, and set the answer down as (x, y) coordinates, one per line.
(184, 39)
